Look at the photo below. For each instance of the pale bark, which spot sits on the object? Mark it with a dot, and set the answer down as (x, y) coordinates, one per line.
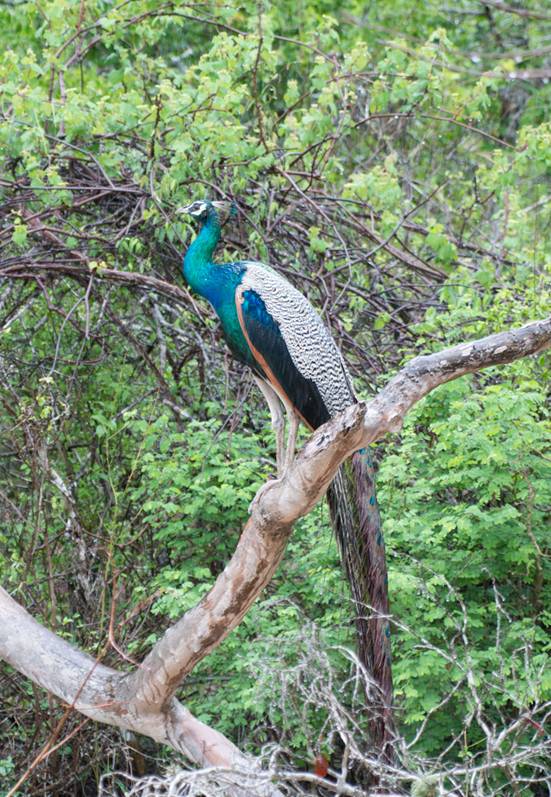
(94, 690)
(143, 700)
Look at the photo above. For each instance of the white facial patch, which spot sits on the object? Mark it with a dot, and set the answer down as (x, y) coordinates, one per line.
(198, 209)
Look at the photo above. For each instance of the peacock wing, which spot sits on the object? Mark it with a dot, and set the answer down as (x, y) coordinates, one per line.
(270, 351)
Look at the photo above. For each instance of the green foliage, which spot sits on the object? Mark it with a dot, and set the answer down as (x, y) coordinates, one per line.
(392, 159)
(7, 767)
(470, 482)
(194, 489)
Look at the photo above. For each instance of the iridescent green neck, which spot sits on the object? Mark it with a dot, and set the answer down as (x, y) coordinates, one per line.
(198, 258)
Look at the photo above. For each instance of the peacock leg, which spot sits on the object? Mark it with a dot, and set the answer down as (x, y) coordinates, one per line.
(278, 421)
(291, 439)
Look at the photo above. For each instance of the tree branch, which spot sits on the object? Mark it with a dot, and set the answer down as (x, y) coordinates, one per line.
(81, 272)
(521, 12)
(280, 503)
(422, 374)
(143, 700)
(95, 690)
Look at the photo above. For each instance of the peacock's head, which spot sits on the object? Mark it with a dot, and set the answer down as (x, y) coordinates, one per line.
(202, 209)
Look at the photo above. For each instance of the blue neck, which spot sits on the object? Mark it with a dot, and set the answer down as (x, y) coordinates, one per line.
(198, 258)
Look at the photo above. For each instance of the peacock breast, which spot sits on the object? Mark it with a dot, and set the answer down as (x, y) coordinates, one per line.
(222, 296)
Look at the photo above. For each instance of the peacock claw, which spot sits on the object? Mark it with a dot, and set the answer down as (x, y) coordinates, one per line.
(272, 480)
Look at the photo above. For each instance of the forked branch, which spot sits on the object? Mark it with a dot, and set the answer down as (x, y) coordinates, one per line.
(143, 700)
(282, 502)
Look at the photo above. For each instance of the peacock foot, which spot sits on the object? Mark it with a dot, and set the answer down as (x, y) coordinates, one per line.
(273, 480)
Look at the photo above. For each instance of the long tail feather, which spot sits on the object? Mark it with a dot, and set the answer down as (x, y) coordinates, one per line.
(357, 525)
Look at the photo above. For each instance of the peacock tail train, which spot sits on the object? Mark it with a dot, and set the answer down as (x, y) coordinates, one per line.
(357, 525)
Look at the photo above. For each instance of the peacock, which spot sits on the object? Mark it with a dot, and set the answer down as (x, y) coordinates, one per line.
(274, 330)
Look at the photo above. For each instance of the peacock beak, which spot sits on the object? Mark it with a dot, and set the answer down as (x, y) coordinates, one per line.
(183, 209)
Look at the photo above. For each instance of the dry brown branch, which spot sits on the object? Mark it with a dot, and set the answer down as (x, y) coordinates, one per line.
(314, 684)
(521, 12)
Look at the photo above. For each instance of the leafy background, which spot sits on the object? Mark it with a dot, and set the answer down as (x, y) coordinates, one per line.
(393, 161)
